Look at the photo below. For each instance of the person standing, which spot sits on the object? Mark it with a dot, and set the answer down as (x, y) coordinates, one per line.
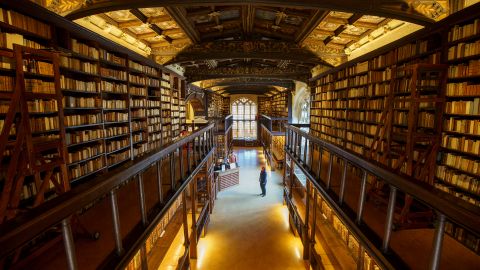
(263, 181)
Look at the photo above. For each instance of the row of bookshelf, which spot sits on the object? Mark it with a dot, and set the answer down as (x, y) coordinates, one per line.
(458, 168)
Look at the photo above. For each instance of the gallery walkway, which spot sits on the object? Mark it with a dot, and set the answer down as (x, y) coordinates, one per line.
(248, 231)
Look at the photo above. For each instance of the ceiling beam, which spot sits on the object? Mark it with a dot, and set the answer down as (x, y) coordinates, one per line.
(310, 25)
(144, 19)
(272, 34)
(174, 42)
(384, 8)
(248, 17)
(221, 34)
(207, 10)
(260, 49)
(236, 21)
(292, 13)
(350, 21)
(247, 70)
(179, 16)
(282, 25)
(127, 31)
(134, 23)
(248, 81)
(167, 32)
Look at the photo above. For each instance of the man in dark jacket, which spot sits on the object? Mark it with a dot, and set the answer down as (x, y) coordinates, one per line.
(263, 181)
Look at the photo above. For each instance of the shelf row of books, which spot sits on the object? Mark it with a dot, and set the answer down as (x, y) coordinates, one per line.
(352, 244)
(348, 114)
(94, 109)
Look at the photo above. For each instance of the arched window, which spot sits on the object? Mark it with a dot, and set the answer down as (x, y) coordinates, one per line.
(244, 124)
(305, 111)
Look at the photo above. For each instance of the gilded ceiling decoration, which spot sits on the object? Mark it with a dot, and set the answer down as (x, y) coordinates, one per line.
(250, 39)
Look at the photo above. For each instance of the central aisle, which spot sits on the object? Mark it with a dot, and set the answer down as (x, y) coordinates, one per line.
(248, 231)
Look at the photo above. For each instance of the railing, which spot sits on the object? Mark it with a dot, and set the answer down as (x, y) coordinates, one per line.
(20, 231)
(223, 124)
(293, 212)
(203, 219)
(300, 147)
(274, 125)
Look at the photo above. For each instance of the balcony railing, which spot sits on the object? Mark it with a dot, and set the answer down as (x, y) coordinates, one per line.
(193, 150)
(308, 152)
(275, 125)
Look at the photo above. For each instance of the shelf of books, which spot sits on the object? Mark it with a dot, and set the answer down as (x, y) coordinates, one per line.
(107, 102)
(115, 107)
(82, 103)
(175, 107)
(138, 80)
(279, 105)
(154, 111)
(183, 115)
(166, 111)
(225, 106)
(349, 101)
(265, 105)
(215, 105)
(329, 217)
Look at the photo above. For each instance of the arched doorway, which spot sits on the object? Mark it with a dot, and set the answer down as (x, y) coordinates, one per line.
(244, 113)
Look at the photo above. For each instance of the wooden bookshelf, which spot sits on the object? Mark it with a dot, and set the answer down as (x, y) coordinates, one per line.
(110, 98)
(279, 105)
(225, 106)
(349, 100)
(264, 105)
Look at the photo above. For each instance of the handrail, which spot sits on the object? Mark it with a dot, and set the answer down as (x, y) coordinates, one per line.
(202, 219)
(440, 201)
(24, 228)
(447, 206)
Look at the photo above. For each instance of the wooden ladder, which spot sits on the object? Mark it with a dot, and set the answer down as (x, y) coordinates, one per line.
(410, 147)
(31, 157)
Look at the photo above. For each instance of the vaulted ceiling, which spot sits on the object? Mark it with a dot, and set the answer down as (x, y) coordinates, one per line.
(232, 42)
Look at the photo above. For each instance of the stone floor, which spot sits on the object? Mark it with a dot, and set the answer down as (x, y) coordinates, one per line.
(248, 231)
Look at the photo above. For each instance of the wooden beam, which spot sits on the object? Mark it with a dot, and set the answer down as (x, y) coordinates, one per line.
(174, 42)
(207, 10)
(390, 9)
(338, 32)
(290, 12)
(248, 17)
(268, 33)
(259, 49)
(113, 22)
(213, 24)
(168, 32)
(179, 15)
(282, 25)
(134, 23)
(222, 34)
(310, 25)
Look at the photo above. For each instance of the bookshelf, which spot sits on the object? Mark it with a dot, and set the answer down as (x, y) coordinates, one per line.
(225, 106)
(166, 110)
(279, 105)
(108, 94)
(349, 100)
(175, 106)
(215, 105)
(138, 90)
(264, 105)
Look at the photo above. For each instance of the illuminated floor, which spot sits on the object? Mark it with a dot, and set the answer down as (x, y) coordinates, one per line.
(247, 231)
